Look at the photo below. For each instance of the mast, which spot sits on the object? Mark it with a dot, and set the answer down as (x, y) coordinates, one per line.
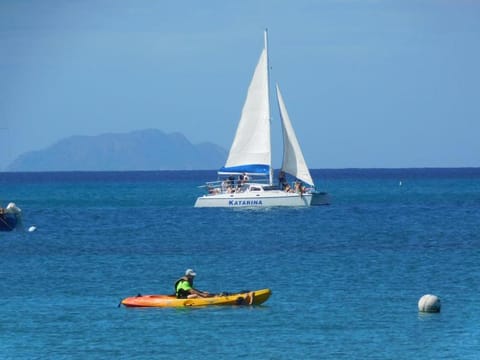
(265, 38)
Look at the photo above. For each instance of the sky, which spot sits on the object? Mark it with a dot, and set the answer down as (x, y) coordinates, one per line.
(367, 83)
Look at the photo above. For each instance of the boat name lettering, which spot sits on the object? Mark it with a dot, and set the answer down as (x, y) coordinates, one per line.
(244, 202)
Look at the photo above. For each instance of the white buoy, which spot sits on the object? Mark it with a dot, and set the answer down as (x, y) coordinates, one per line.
(32, 228)
(429, 303)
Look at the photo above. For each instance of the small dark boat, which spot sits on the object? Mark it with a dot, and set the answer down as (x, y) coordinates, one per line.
(10, 217)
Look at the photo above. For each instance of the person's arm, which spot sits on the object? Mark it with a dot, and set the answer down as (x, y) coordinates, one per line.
(199, 293)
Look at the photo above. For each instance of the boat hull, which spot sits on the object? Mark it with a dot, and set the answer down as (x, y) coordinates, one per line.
(320, 198)
(265, 199)
(259, 297)
(8, 222)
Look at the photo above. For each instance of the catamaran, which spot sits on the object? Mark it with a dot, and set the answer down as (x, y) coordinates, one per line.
(246, 179)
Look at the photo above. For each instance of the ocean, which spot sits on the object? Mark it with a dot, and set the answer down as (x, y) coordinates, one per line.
(345, 278)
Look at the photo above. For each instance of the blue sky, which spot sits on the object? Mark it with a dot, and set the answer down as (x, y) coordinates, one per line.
(367, 83)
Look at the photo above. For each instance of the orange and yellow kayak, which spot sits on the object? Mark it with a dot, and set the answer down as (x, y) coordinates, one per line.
(256, 297)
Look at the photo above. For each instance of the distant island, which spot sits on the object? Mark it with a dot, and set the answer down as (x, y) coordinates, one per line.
(138, 150)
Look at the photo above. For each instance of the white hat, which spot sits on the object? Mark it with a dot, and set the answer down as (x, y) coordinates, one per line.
(190, 272)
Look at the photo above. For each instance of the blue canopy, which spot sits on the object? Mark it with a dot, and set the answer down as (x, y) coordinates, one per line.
(249, 169)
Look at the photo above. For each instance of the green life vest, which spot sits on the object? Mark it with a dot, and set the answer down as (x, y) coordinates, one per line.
(183, 287)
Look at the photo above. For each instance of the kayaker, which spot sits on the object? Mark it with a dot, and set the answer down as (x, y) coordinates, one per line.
(184, 287)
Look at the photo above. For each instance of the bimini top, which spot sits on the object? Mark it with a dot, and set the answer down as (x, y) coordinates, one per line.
(249, 169)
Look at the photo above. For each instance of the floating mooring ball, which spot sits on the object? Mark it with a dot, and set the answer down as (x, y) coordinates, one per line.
(429, 303)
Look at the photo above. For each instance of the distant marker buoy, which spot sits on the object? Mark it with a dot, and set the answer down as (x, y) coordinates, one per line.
(32, 228)
(429, 303)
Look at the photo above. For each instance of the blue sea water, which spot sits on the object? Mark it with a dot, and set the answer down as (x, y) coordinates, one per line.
(346, 278)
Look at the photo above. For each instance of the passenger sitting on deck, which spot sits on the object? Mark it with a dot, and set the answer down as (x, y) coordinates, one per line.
(225, 185)
(288, 188)
(228, 184)
(242, 179)
(212, 190)
(298, 187)
(184, 287)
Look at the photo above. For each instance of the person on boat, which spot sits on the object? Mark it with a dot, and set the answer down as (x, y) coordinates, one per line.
(282, 180)
(242, 179)
(184, 287)
(299, 189)
(230, 184)
(225, 185)
(212, 190)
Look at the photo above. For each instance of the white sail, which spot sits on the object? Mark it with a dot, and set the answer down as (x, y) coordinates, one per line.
(293, 160)
(251, 148)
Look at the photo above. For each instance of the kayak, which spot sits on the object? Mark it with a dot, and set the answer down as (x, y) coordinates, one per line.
(256, 297)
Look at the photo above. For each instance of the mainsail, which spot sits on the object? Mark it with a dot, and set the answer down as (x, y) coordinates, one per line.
(293, 160)
(251, 148)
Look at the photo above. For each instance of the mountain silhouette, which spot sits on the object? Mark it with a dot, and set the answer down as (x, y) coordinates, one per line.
(149, 149)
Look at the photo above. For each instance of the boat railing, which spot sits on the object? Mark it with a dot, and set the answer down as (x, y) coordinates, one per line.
(228, 186)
